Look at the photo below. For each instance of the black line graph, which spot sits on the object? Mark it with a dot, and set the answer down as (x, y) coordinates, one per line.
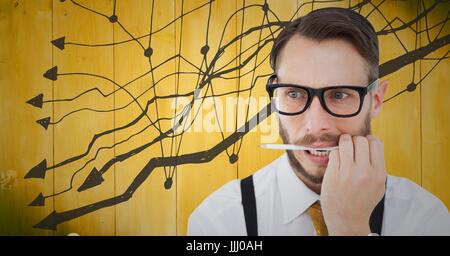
(207, 72)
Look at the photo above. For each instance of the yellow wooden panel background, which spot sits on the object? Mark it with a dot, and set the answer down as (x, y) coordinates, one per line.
(109, 70)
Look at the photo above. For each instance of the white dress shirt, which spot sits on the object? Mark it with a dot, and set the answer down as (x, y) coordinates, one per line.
(282, 200)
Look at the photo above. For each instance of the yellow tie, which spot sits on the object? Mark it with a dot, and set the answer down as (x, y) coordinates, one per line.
(315, 212)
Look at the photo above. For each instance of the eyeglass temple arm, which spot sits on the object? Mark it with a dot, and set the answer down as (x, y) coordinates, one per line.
(372, 86)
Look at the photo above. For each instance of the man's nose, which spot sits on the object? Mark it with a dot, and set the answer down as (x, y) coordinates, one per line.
(317, 119)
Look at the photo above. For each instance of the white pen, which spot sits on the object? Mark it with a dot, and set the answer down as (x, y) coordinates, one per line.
(294, 147)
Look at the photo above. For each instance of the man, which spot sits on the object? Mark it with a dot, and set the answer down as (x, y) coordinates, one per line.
(325, 89)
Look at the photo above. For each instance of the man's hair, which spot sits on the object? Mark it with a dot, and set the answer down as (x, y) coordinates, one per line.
(333, 23)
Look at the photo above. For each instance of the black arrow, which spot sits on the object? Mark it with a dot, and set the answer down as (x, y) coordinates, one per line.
(49, 222)
(93, 179)
(51, 73)
(52, 220)
(59, 42)
(38, 201)
(38, 171)
(37, 101)
(44, 122)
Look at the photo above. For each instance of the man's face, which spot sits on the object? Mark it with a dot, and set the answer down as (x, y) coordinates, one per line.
(316, 64)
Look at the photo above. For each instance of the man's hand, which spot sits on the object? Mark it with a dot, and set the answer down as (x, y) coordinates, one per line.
(353, 184)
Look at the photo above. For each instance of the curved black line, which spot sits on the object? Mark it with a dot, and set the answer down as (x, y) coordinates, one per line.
(409, 23)
(139, 37)
(55, 218)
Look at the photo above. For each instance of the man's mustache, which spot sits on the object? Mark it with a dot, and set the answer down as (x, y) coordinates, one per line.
(310, 139)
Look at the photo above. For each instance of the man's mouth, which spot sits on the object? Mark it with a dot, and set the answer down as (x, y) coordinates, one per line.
(319, 152)
(318, 157)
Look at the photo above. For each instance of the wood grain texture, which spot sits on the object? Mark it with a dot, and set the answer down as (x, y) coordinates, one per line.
(76, 131)
(24, 27)
(414, 126)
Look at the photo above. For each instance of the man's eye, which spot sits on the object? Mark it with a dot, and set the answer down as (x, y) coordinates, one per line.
(339, 95)
(294, 94)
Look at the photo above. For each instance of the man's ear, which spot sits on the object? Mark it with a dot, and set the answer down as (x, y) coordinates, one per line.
(378, 97)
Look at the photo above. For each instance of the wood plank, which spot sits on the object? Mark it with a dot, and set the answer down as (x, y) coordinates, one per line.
(398, 124)
(152, 209)
(196, 181)
(251, 156)
(412, 125)
(75, 132)
(25, 54)
(435, 113)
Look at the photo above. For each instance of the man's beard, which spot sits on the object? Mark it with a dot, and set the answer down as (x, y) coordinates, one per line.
(310, 139)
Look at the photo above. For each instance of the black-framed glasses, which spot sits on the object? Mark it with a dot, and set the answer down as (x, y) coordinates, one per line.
(339, 101)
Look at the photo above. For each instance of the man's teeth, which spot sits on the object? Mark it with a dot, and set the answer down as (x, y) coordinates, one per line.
(319, 152)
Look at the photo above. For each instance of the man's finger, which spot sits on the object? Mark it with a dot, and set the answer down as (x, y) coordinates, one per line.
(333, 165)
(345, 152)
(333, 160)
(361, 148)
(376, 153)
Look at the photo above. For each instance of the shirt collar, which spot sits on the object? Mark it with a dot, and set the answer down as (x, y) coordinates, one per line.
(296, 197)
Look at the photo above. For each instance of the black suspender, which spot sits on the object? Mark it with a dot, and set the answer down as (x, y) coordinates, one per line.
(376, 218)
(249, 205)
(251, 221)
